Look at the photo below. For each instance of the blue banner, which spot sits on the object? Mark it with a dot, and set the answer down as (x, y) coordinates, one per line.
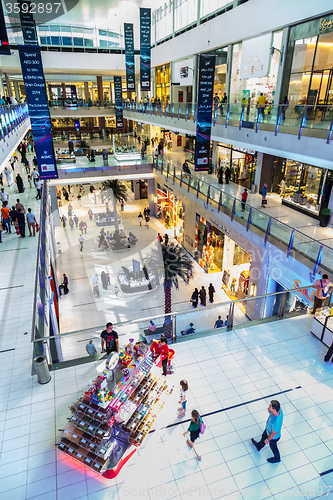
(34, 82)
(4, 45)
(129, 57)
(204, 111)
(145, 48)
(28, 24)
(118, 102)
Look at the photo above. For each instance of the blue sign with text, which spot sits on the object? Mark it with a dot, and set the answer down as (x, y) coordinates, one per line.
(129, 57)
(145, 48)
(204, 113)
(118, 101)
(34, 82)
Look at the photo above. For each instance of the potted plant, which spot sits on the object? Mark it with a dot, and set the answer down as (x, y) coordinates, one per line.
(324, 217)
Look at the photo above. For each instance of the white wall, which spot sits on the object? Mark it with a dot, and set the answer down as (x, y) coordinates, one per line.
(246, 21)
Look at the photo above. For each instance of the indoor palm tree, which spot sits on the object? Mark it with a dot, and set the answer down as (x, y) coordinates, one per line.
(176, 264)
(115, 191)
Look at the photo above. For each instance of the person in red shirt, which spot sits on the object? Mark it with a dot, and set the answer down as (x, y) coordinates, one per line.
(160, 348)
(244, 198)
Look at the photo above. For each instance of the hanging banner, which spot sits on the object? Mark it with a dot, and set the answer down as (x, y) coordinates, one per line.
(28, 24)
(129, 57)
(4, 44)
(35, 89)
(118, 102)
(204, 113)
(145, 48)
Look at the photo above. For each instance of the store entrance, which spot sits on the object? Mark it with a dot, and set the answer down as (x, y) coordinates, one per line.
(171, 212)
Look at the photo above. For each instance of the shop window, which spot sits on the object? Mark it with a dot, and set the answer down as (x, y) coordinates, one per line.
(88, 43)
(303, 54)
(78, 42)
(55, 40)
(303, 185)
(67, 40)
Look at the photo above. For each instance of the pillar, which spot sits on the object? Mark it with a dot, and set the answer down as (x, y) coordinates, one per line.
(63, 90)
(278, 98)
(9, 85)
(100, 87)
(330, 206)
(17, 90)
(228, 74)
(228, 254)
(214, 161)
(111, 92)
(151, 195)
(86, 91)
(2, 88)
(257, 177)
(195, 81)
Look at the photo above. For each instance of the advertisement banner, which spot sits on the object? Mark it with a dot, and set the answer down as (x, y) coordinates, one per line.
(129, 57)
(34, 82)
(118, 101)
(204, 114)
(4, 45)
(28, 24)
(145, 48)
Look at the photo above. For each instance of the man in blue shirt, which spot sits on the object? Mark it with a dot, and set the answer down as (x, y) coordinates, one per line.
(272, 433)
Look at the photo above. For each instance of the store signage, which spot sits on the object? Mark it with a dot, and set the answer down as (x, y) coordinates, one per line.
(4, 44)
(256, 57)
(244, 150)
(129, 57)
(184, 72)
(118, 105)
(204, 112)
(217, 224)
(35, 89)
(169, 188)
(145, 48)
(326, 25)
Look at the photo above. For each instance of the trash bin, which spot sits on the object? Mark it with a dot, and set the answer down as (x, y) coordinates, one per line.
(42, 369)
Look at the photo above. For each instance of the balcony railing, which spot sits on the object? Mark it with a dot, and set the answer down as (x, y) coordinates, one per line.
(11, 117)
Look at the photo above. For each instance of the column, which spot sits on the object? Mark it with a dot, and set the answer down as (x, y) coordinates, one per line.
(330, 206)
(9, 85)
(195, 80)
(214, 162)
(17, 90)
(112, 92)
(2, 88)
(151, 195)
(257, 177)
(63, 90)
(86, 91)
(278, 98)
(228, 74)
(100, 87)
(228, 254)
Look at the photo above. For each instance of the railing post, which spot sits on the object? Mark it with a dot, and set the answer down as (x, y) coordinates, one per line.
(291, 242)
(179, 112)
(282, 305)
(279, 120)
(330, 133)
(230, 322)
(195, 114)
(189, 183)
(302, 124)
(233, 209)
(198, 188)
(174, 328)
(220, 202)
(174, 174)
(172, 110)
(181, 179)
(168, 169)
(166, 110)
(259, 115)
(186, 114)
(228, 116)
(318, 260)
(160, 109)
(215, 116)
(268, 230)
(208, 194)
(241, 117)
(249, 219)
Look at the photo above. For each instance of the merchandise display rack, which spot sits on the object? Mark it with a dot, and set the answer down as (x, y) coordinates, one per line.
(322, 325)
(108, 425)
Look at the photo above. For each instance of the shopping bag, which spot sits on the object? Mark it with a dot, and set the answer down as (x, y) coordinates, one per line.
(264, 202)
(37, 227)
(202, 426)
(17, 230)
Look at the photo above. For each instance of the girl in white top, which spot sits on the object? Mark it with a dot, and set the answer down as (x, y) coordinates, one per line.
(183, 398)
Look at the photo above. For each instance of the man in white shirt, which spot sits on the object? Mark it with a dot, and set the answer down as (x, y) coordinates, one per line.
(3, 195)
(35, 175)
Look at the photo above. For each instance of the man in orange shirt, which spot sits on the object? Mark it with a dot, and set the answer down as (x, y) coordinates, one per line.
(160, 348)
(5, 217)
(323, 288)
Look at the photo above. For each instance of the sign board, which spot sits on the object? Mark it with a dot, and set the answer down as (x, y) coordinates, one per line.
(4, 44)
(145, 48)
(256, 57)
(129, 57)
(118, 97)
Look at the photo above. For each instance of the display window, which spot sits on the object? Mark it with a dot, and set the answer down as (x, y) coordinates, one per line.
(171, 212)
(162, 83)
(303, 185)
(242, 164)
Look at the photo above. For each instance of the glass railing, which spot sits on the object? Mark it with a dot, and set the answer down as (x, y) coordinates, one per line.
(252, 218)
(71, 347)
(11, 117)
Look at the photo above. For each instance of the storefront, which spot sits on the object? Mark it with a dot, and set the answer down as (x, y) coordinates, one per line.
(309, 70)
(171, 211)
(162, 82)
(304, 185)
(242, 163)
(216, 252)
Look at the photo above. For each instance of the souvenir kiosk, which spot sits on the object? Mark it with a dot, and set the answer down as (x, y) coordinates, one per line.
(113, 417)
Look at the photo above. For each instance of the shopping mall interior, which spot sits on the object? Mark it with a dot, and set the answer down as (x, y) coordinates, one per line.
(177, 164)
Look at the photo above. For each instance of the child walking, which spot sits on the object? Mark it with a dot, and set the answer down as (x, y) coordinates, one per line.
(194, 430)
(182, 399)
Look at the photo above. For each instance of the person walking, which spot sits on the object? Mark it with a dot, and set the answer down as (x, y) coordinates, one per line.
(244, 198)
(81, 240)
(284, 107)
(90, 348)
(21, 222)
(227, 174)
(147, 221)
(8, 175)
(76, 220)
(220, 175)
(39, 189)
(218, 322)
(5, 217)
(95, 284)
(263, 195)
(194, 298)
(4, 195)
(166, 239)
(110, 339)
(194, 431)
(31, 223)
(65, 284)
(19, 205)
(211, 291)
(160, 348)
(1, 179)
(35, 175)
(203, 295)
(323, 289)
(182, 398)
(140, 218)
(272, 432)
(64, 220)
(71, 223)
(0, 232)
